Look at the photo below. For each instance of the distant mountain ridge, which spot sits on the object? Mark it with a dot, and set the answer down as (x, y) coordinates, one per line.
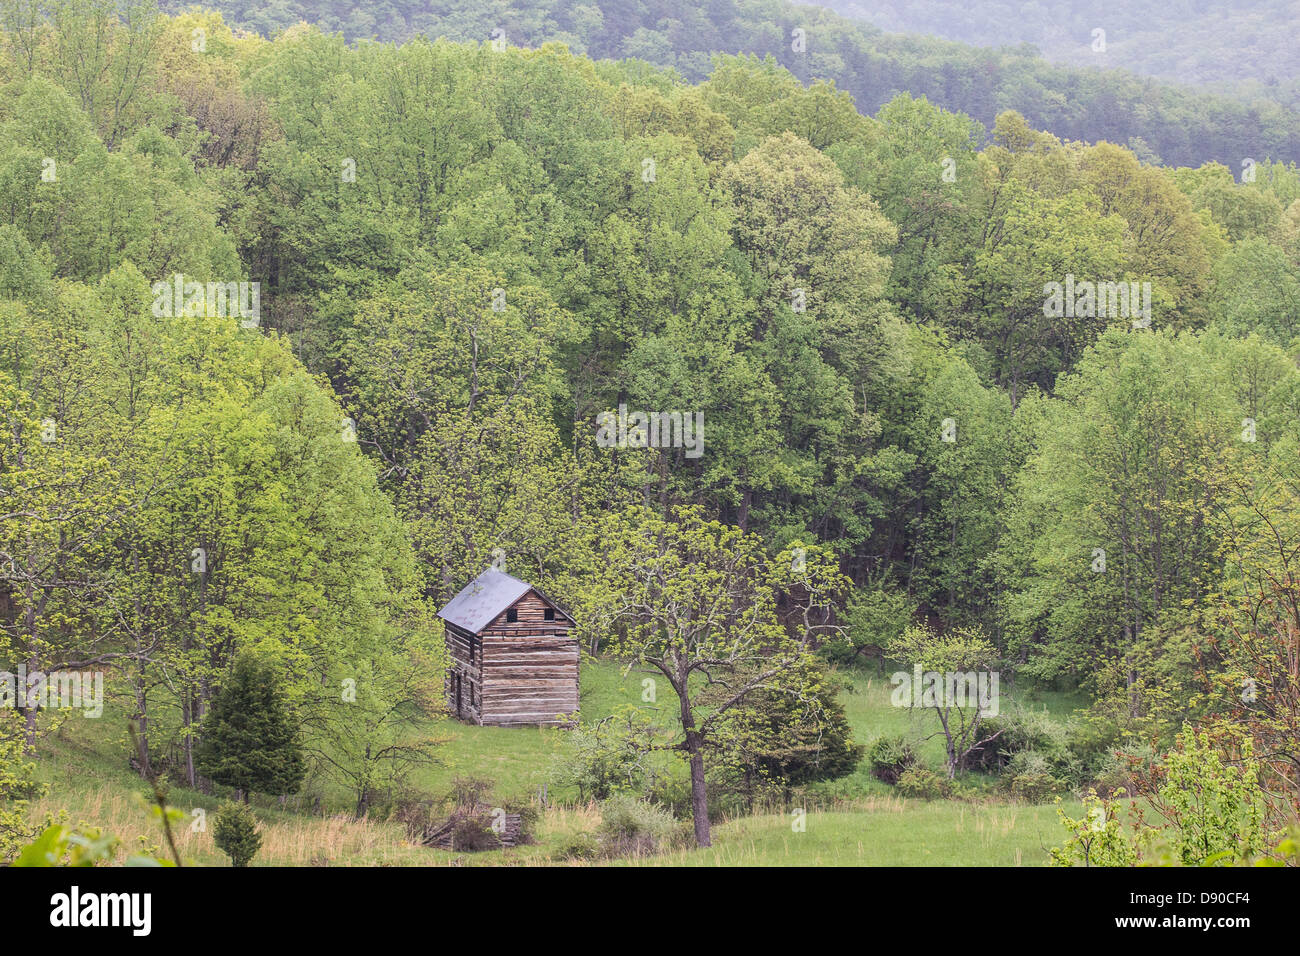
(1171, 124)
(1189, 41)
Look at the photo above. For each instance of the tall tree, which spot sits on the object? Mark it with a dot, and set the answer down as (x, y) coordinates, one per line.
(696, 600)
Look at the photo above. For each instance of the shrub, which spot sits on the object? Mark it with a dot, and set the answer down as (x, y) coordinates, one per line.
(779, 742)
(1020, 730)
(633, 827)
(1215, 809)
(1116, 769)
(235, 833)
(1093, 742)
(890, 757)
(1029, 777)
(1098, 838)
(1212, 808)
(671, 789)
(920, 782)
(602, 759)
(578, 846)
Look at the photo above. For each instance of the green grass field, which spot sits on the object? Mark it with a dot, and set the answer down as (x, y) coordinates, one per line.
(888, 832)
(854, 821)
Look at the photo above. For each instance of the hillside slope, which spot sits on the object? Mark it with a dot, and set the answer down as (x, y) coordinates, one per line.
(1179, 126)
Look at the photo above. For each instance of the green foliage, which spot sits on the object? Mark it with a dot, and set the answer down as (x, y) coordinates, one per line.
(1077, 102)
(605, 757)
(59, 845)
(632, 827)
(780, 740)
(1029, 777)
(17, 786)
(579, 847)
(656, 603)
(249, 737)
(468, 256)
(1213, 813)
(1215, 809)
(234, 831)
(873, 619)
(890, 758)
(1097, 838)
(1020, 730)
(629, 827)
(924, 784)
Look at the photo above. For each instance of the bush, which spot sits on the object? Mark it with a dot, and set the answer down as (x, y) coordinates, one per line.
(671, 789)
(1029, 777)
(1098, 838)
(780, 742)
(1121, 769)
(1020, 731)
(890, 757)
(579, 846)
(602, 759)
(1211, 807)
(235, 833)
(632, 827)
(920, 782)
(1093, 742)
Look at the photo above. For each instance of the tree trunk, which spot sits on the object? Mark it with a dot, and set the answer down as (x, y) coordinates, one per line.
(142, 717)
(191, 711)
(699, 791)
(29, 706)
(141, 683)
(695, 748)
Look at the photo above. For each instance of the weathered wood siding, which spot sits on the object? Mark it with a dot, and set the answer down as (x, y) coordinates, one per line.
(529, 667)
(461, 647)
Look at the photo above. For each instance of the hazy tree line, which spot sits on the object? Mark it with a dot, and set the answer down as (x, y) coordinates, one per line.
(1160, 121)
(1188, 42)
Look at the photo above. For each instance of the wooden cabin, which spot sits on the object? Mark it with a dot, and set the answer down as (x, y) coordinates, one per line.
(513, 662)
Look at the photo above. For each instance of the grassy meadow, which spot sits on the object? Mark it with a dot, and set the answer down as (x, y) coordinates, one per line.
(853, 821)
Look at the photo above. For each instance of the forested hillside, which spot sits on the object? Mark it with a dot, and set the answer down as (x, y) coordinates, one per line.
(1161, 122)
(298, 337)
(1193, 41)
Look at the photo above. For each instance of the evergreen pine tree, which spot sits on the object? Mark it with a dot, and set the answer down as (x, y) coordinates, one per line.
(235, 833)
(248, 738)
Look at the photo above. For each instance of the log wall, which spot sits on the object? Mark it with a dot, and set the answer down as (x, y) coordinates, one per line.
(470, 672)
(524, 673)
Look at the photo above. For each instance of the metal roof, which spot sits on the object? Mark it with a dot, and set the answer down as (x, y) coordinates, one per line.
(480, 601)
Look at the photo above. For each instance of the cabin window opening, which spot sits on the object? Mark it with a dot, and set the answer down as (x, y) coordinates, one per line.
(512, 615)
(472, 642)
(548, 614)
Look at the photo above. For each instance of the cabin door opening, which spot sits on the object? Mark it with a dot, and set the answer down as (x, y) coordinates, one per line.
(456, 675)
